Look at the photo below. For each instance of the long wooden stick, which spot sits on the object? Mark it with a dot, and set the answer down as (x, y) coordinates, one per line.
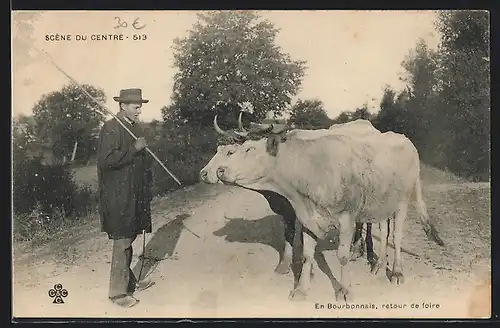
(105, 108)
(74, 151)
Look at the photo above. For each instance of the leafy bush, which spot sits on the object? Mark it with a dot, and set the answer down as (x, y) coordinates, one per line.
(185, 152)
(48, 187)
(84, 202)
(45, 197)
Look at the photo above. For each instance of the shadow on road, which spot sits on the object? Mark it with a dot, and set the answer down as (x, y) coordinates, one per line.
(161, 246)
(268, 230)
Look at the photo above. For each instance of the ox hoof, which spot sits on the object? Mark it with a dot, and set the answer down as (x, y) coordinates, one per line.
(372, 262)
(376, 268)
(372, 258)
(282, 268)
(356, 255)
(297, 295)
(343, 295)
(397, 277)
(358, 250)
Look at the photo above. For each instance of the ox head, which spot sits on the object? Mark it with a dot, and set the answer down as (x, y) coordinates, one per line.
(250, 163)
(208, 174)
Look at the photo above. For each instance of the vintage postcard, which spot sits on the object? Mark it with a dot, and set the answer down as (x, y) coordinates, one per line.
(251, 164)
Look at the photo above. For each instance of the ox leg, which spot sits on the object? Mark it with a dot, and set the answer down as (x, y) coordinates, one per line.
(382, 260)
(300, 292)
(370, 254)
(283, 266)
(346, 231)
(397, 270)
(341, 293)
(358, 244)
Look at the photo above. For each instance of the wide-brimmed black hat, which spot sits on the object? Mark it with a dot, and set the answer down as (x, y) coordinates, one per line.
(131, 96)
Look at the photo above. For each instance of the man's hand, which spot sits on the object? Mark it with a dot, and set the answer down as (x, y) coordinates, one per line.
(140, 143)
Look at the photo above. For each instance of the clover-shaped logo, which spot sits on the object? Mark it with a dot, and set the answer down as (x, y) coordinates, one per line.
(57, 293)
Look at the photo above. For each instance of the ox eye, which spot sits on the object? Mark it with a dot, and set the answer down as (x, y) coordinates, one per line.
(248, 150)
(229, 153)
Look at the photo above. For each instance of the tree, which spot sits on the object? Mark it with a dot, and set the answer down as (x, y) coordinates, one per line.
(309, 114)
(445, 108)
(361, 113)
(231, 58)
(464, 87)
(154, 124)
(68, 116)
(344, 117)
(391, 116)
(23, 137)
(420, 65)
(24, 127)
(419, 97)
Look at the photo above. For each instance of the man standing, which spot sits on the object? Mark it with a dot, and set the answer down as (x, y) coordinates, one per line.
(124, 182)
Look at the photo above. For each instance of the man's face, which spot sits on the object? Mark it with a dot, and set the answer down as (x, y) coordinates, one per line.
(132, 111)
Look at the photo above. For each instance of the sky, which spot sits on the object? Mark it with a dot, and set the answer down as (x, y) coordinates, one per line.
(350, 55)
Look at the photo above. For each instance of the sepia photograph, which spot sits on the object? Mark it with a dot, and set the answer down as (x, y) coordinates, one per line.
(251, 164)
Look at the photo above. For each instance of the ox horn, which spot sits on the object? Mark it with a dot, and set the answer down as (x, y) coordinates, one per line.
(232, 135)
(261, 128)
(219, 130)
(240, 124)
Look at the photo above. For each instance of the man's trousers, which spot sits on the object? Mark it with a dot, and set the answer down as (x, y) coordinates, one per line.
(122, 280)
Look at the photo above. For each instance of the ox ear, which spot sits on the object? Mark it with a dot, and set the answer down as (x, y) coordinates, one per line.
(272, 144)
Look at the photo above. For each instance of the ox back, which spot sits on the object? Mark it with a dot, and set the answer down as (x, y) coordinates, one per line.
(347, 173)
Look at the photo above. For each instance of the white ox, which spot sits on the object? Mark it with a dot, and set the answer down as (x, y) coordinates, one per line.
(334, 181)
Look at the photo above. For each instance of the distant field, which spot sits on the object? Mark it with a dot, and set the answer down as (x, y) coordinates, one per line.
(87, 176)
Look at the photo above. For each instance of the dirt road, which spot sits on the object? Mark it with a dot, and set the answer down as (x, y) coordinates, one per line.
(221, 252)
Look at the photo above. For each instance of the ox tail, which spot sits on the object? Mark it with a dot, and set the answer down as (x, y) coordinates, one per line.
(428, 223)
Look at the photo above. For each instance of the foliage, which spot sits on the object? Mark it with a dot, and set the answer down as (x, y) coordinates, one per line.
(361, 113)
(47, 187)
(68, 116)
(23, 136)
(230, 58)
(445, 109)
(343, 117)
(465, 89)
(392, 115)
(184, 150)
(309, 114)
(44, 196)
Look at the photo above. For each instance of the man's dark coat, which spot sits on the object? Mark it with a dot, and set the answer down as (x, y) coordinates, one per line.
(124, 180)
